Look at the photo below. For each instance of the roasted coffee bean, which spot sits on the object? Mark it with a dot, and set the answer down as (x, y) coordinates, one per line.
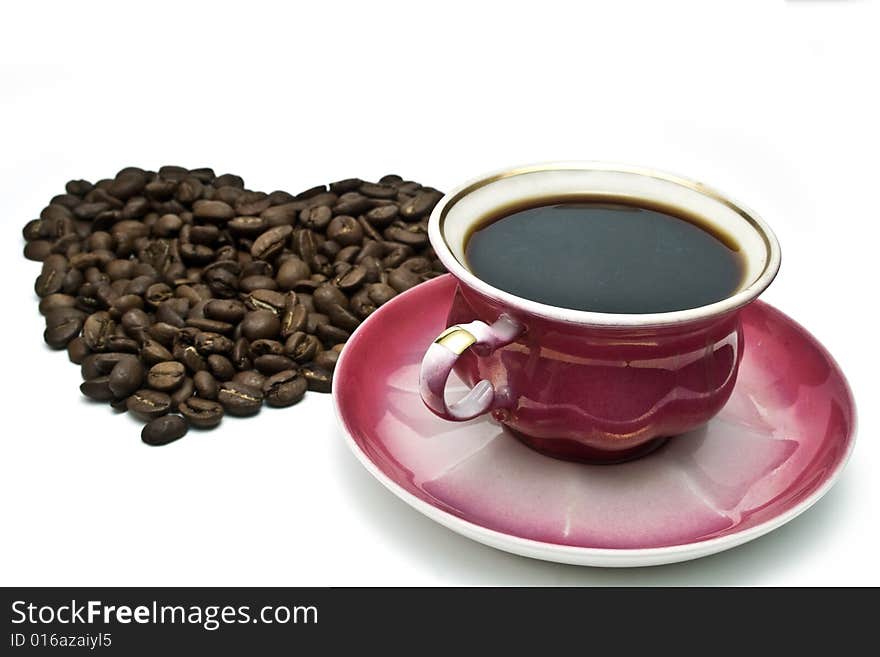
(225, 310)
(241, 354)
(351, 203)
(293, 320)
(342, 318)
(250, 378)
(419, 205)
(329, 295)
(213, 343)
(247, 226)
(177, 281)
(220, 366)
(201, 413)
(148, 404)
(266, 300)
(239, 399)
(260, 324)
(164, 430)
(269, 364)
(383, 215)
(352, 279)
(330, 334)
(313, 320)
(206, 385)
(213, 211)
(252, 283)
(62, 326)
(326, 360)
(190, 357)
(126, 376)
(263, 347)
(290, 272)
(153, 352)
(166, 376)
(186, 390)
(271, 243)
(402, 279)
(380, 293)
(95, 365)
(97, 389)
(122, 343)
(374, 190)
(210, 325)
(345, 230)
(302, 347)
(77, 350)
(97, 328)
(285, 388)
(317, 379)
(316, 218)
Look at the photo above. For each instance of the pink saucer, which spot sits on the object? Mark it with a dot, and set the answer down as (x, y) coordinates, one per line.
(776, 447)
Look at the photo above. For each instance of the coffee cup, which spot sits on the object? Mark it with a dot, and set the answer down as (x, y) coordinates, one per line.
(579, 384)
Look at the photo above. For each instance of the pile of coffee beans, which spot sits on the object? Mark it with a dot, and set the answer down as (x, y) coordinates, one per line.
(184, 296)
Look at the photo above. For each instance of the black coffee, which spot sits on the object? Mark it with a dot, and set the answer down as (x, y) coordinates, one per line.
(604, 257)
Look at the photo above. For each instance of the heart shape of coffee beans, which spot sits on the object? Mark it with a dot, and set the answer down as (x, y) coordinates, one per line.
(184, 296)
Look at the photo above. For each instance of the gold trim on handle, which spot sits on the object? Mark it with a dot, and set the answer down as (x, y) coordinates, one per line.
(456, 339)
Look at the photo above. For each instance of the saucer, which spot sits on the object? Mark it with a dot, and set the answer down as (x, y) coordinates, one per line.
(778, 446)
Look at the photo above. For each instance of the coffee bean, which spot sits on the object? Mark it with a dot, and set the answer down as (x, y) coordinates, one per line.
(213, 211)
(97, 328)
(213, 343)
(316, 218)
(269, 364)
(402, 279)
(327, 296)
(210, 325)
(126, 377)
(164, 285)
(186, 390)
(260, 324)
(239, 399)
(302, 347)
(326, 360)
(317, 379)
(225, 310)
(266, 300)
(345, 230)
(164, 430)
(220, 366)
(97, 389)
(271, 243)
(330, 334)
(77, 350)
(250, 378)
(419, 205)
(206, 385)
(62, 326)
(166, 376)
(148, 404)
(378, 190)
(201, 413)
(284, 388)
(293, 320)
(342, 318)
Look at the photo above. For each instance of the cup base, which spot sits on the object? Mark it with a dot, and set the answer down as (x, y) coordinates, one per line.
(569, 450)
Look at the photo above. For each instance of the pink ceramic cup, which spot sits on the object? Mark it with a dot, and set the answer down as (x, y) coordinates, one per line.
(584, 385)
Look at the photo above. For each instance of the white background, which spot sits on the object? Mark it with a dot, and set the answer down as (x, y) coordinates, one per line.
(775, 103)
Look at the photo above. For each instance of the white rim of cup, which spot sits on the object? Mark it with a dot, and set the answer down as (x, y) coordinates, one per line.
(737, 300)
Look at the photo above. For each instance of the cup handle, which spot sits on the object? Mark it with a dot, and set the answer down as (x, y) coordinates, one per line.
(445, 350)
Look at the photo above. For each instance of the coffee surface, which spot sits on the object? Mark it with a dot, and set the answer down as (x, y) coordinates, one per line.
(604, 257)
